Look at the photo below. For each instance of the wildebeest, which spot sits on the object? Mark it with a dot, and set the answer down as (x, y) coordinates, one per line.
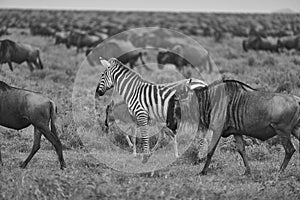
(120, 112)
(21, 108)
(11, 51)
(3, 31)
(182, 57)
(230, 107)
(81, 39)
(41, 29)
(260, 43)
(61, 37)
(289, 42)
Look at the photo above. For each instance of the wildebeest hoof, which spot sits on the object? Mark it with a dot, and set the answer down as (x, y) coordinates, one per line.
(202, 173)
(247, 173)
(63, 166)
(23, 165)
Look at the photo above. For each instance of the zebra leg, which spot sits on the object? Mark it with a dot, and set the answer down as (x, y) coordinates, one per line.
(240, 145)
(142, 121)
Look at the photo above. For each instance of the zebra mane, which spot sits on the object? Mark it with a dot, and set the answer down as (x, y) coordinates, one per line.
(115, 60)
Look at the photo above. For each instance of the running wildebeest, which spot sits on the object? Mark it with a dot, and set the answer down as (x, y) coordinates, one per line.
(230, 107)
(289, 42)
(260, 43)
(11, 51)
(21, 108)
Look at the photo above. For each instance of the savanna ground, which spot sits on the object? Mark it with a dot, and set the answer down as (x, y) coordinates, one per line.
(88, 178)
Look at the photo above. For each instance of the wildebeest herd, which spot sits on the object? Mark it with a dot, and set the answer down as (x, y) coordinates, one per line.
(226, 107)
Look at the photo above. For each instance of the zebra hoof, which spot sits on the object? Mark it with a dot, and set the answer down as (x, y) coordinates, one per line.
(146, 158)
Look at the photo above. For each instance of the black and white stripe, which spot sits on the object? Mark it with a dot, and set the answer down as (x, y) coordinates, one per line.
(145, 100)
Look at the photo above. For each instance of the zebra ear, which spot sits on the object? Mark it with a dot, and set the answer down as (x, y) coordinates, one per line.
(104, 62)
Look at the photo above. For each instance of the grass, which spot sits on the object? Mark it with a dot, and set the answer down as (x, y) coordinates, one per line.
(86, 177)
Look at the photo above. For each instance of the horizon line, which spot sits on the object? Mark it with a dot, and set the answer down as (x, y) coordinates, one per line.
(141, 10)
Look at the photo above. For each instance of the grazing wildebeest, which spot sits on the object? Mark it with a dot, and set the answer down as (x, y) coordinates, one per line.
(260, 43)
(11, 51)
(21, 108)
(182, 57)
(230, 107)
(289, 42)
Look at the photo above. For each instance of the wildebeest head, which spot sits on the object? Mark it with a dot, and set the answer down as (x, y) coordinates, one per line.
(5, 45)
(165, 57)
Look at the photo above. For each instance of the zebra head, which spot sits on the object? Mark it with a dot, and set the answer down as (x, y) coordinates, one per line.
(106, 81)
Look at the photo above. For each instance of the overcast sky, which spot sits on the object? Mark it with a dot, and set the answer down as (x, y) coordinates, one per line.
(159, 5)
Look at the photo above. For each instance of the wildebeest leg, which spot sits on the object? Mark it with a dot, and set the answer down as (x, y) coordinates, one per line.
(55, 142)
(288, 147)
(133, 129)
(10, 66)
(240, 145)
(211, 149)
(1, 163)
(285, 139)
(35, 147)
(30, 66)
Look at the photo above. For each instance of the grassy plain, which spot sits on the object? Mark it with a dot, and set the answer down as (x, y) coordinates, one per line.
(86, 177)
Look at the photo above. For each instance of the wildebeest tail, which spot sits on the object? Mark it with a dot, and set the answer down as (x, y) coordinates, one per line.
(53, 112)
(39, 60)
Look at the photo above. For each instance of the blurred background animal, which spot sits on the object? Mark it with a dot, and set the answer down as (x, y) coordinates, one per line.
(11, 51)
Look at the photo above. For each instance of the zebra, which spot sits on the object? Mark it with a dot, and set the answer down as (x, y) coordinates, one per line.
(145, 100)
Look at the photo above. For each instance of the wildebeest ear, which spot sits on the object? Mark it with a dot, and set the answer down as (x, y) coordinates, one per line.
(104, 62)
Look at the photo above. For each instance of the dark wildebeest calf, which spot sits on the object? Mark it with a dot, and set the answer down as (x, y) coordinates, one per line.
(11, 51)
(231, 107)
(21, 108)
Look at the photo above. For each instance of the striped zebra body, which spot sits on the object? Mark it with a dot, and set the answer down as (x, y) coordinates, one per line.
(145, 100)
